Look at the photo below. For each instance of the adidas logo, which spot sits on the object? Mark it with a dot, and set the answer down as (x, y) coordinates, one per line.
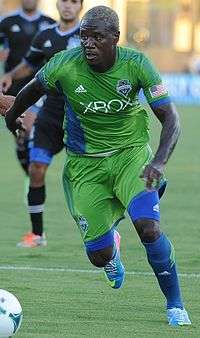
(164, 273)
(47, 43)
(15, 29)
(156, 208)
(80, 89)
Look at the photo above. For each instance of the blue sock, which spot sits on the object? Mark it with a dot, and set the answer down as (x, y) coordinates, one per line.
(160, 256)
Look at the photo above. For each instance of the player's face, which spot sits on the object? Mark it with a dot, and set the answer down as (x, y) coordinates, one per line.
(29, 5)
(98, 43)
(69, 10)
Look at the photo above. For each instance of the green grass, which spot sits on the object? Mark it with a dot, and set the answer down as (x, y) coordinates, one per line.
(80, 304)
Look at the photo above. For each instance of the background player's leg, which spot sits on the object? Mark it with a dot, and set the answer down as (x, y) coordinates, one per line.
(39, 162)
(37, 195)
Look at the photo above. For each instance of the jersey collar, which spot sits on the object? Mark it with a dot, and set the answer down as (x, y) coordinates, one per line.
(69, 32)
(30, 18)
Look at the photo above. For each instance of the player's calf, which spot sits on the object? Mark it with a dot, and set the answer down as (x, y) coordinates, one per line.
(108, 257)
(37, 172)
(144, 212)
(101, 257)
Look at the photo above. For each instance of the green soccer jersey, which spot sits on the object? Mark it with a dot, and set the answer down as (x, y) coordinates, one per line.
(103, 112)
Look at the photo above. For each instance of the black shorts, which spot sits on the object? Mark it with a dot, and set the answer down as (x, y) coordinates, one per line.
(46, 140)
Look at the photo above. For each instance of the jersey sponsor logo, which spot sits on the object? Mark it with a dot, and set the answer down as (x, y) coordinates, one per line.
(156, 208)
(15, 29)
(164, 273)
(47, 44)
(114, 105)
(124, 87)
(80, 89)
(158, 90)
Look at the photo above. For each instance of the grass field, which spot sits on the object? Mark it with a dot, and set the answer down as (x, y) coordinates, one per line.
(62, 295)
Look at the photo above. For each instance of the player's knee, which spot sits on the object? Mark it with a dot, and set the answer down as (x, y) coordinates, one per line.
(147, 229)
(100, 258)
(37, 173)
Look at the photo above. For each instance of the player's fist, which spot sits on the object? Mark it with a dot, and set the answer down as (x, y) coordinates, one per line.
(152, 175)
(5, 82)
(6, 102)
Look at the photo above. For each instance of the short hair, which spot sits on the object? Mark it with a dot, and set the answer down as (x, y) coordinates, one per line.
(106, 14)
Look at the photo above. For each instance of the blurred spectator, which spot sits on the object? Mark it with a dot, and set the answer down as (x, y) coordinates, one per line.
(194, 64)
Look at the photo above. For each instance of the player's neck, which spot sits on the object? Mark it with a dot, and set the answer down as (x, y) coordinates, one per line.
(29, 13)
(66, 26)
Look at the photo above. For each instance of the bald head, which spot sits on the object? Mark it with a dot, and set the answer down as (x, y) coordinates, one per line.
(106, 15)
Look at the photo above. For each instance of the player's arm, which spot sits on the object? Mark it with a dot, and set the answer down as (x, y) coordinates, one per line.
(20, 71)
(169, 119)
(160, 103)
(32, 60)
(4, 51)
(45, 80)
(30, 94)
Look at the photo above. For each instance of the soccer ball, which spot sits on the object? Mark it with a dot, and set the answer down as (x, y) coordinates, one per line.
(10, 314)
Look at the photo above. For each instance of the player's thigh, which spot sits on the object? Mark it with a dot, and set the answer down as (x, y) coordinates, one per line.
(129, 166)
(90, 198)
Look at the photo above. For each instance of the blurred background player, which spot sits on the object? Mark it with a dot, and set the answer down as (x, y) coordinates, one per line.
(46, 138)
(16, 33)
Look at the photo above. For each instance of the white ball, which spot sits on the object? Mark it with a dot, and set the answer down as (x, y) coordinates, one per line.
(10, 314)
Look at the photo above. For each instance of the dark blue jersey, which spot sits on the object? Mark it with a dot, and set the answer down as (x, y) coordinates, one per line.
(50, 41)
(17, 31)
(44, 45)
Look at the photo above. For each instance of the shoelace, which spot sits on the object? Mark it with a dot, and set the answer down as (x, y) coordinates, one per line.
(178, 314)
(111, 267)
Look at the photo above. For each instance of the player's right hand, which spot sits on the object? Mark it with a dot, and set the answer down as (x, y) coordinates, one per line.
(5, 82)
(152, 175)
(6, 102)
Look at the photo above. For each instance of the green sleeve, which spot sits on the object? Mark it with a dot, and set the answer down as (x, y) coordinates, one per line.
(151, 82)
(49, 74)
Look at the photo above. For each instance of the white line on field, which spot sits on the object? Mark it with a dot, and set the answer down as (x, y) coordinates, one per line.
(136, 273)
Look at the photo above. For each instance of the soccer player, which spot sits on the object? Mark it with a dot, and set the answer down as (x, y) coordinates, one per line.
(47, 136)
(16, 33)
(110, 166)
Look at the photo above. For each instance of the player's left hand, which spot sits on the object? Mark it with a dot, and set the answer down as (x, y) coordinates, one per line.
(152, 175)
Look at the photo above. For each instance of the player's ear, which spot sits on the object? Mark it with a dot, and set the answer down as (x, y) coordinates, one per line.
(116, 36)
